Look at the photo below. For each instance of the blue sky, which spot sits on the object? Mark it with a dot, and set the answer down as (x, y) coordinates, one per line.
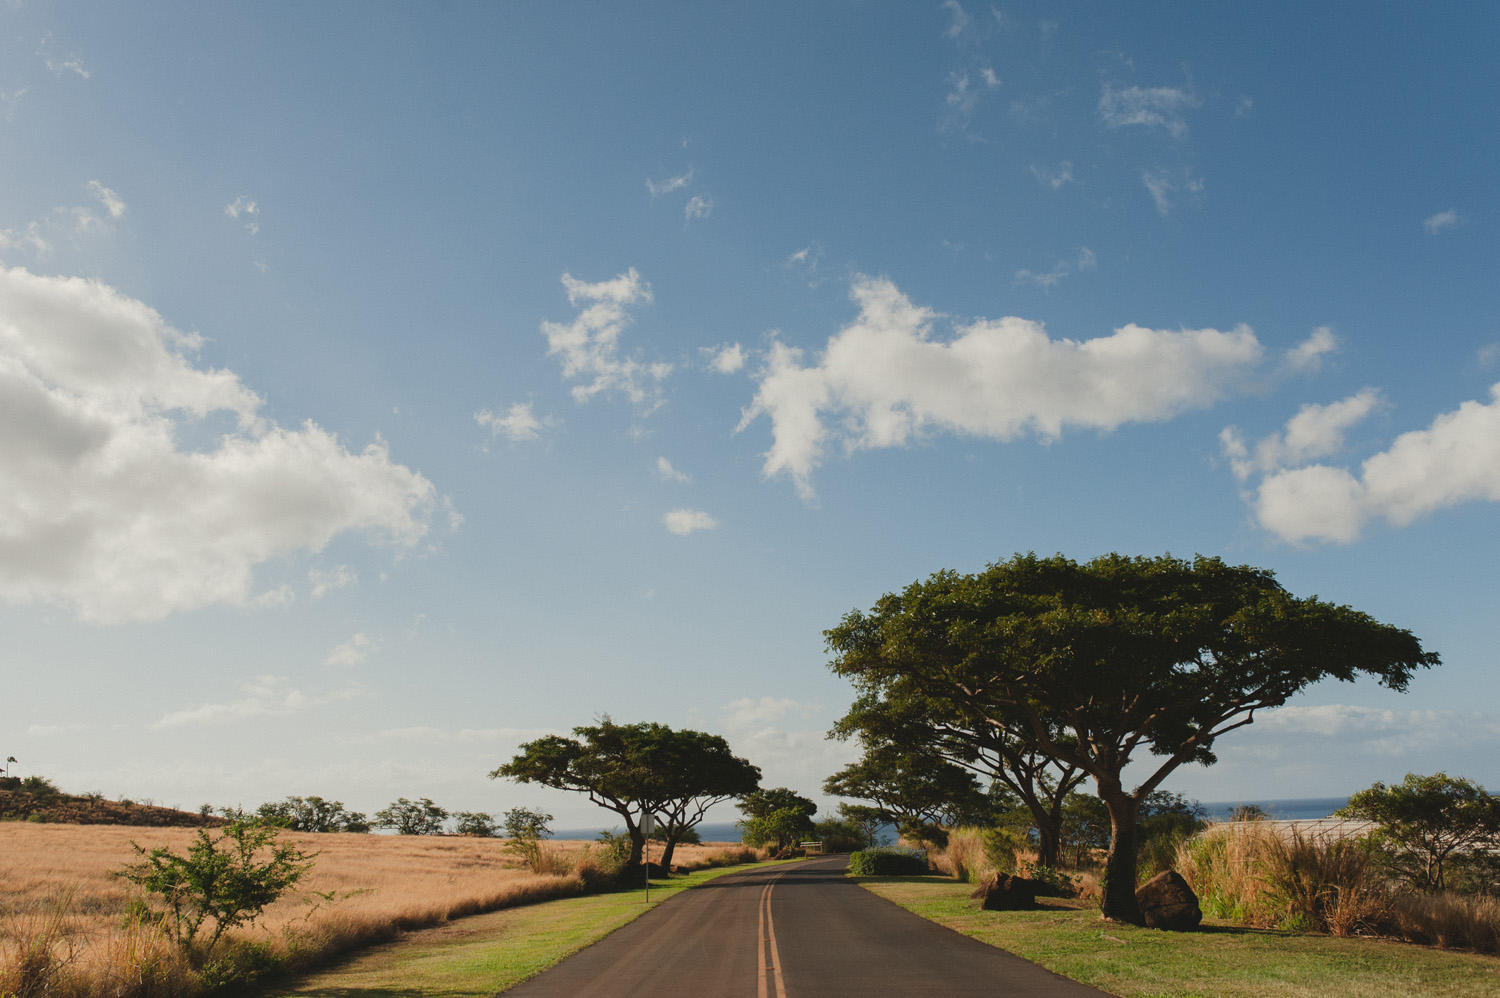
(387, 385)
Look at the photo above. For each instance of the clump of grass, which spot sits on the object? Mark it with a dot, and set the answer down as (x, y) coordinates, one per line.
(964, 857)
(1246, 872)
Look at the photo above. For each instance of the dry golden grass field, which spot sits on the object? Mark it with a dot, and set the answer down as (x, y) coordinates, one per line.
(58, 895)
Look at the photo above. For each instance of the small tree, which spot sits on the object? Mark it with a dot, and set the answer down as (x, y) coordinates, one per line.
(227, 879)
(312, 814)
(1428, 819)
(480, 824)
(419, 817)
(777, 816)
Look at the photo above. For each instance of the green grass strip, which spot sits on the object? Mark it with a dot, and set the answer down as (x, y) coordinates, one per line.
(1225, 961)
(481, 955)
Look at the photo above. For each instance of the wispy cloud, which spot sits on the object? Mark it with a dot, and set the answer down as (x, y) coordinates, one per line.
(1086, 260)
(244, 207)
(519, 422)
(1151, 107)
(698, 206)
(667, 473)
(264, 696)
(589, 346)
(107, 197)
(660, 187)
(1442, 220)
(352, 652)
(1054, 178)
(1163, 185)
(325, 581)
(958, 19)
(685, 521)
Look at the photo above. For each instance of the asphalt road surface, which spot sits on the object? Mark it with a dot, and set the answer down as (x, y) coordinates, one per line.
(796, 931)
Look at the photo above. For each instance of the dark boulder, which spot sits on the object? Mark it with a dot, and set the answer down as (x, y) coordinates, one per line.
(1009, 893)
(1167, 902)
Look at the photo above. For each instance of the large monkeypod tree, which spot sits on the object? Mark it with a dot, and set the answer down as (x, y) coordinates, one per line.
(638, 769)
(1114, 661)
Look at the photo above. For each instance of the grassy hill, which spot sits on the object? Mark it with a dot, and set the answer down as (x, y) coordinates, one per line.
(39, 801)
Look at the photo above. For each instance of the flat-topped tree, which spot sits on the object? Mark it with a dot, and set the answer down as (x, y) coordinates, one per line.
(636, 769)
(1126, 657)
(912, 789)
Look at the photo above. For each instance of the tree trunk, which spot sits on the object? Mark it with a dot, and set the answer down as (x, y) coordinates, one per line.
(1118, 901)
(1049, 838)
(666, 854)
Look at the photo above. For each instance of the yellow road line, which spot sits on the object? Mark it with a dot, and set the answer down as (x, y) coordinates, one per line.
(767, 941)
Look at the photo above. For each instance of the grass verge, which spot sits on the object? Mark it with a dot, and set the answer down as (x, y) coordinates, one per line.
(481, 955)
(1225, 961)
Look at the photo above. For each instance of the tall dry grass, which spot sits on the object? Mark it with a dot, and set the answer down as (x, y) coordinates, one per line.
(1250, 873)
(64, 931)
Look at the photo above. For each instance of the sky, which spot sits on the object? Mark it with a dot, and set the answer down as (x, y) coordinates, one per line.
(384, 386)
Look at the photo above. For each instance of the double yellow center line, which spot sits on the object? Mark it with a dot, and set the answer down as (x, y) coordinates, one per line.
(767, 940)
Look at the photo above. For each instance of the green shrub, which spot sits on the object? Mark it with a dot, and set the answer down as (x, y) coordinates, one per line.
(888, 861)
(242, 963)
(222, 879)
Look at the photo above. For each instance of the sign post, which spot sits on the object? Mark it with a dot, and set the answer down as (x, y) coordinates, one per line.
(648, 825)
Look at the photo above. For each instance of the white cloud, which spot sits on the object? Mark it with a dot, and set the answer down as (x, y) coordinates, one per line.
(1163, 185)
(756, 712)
(352, 652)
(990, 79)
(805, 263)
(725, 359)
(1047, 280)
(324, 582)
(1315, 431)
(1487, 356)
(1054, 178)
(10, 101)
(1442, 220)
(244, 206)
(883, 381)
(685, 521)
(72, 64)
(590, 345)
(49, 730)
(1455, 460)
(30, 237)
(958, 19)
(106, 513)
(1153, 107)
(1086, 259)
(1379, 731)
(667, 473)
(660, 187)
(107, 197)
(265, 696)
(1308, 355)
(519, 422)
(698, 206)
(781, 737)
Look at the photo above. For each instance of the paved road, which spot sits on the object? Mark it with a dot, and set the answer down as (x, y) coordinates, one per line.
(797, 931)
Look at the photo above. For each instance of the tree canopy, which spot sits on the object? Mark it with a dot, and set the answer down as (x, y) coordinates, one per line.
(636, 769)
(1113, 660)
(778, 816)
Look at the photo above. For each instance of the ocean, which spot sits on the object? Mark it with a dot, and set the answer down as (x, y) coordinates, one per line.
(1298, 808)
